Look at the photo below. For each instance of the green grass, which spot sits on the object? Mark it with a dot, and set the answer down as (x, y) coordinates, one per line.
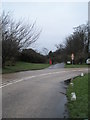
(23, 66)
(78, 108)
(76, 66)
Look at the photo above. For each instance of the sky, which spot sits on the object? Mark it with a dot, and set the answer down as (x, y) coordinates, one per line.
(56, 19)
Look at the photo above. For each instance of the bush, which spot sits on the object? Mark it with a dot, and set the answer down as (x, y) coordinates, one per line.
(29, 55)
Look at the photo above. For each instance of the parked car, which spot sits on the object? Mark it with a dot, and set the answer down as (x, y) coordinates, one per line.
(68, 62)
(88, 61)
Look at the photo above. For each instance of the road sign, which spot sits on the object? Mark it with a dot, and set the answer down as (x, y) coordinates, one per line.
(72, 56)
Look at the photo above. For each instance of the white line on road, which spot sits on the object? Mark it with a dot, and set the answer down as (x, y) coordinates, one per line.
(16, 81)
(20, 80)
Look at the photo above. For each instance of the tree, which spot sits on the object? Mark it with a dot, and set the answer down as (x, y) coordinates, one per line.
(45, 51)
(16, 36)
(30, 55)
(77, 43)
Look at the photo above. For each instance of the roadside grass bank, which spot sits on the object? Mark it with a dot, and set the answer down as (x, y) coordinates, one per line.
(23, 66)
(79, 107)
(76, 66)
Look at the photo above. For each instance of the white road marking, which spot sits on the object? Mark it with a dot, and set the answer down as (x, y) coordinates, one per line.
(16, 81)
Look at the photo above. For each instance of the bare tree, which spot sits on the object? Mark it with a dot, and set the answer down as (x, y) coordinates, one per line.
(45, 51)
(77, 43)
(16, 36)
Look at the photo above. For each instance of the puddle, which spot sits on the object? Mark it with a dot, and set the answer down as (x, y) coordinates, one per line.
(67, 82)
(64, 85)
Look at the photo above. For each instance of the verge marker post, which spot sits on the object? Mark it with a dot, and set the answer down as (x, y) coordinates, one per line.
(82, 74)
(71, 84)
(73, 96)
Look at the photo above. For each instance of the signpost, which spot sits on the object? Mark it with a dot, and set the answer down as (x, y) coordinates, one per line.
(72, 57)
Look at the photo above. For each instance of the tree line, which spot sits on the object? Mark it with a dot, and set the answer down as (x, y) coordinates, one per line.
(18, 36)
(76, 43)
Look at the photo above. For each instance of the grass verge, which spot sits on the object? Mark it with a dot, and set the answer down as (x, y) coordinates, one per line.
(23, 66)
(77, 66)
(78, 108)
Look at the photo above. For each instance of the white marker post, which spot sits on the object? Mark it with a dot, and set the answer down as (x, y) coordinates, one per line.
(82, 74)
(73, 96)
(71, 84)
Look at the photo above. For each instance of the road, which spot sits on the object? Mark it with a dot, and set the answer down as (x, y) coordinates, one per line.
(36, 94)
(56, 66)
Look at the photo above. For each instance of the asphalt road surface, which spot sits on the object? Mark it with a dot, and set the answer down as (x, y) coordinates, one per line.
(56, 66)
(36, 94)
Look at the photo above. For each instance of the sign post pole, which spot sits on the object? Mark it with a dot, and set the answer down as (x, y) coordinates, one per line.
(72, 62)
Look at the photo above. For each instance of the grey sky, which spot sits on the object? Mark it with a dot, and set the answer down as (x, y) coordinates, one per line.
(56, 19)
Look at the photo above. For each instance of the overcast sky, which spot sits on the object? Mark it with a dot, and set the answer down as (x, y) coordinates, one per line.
(56, 19)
